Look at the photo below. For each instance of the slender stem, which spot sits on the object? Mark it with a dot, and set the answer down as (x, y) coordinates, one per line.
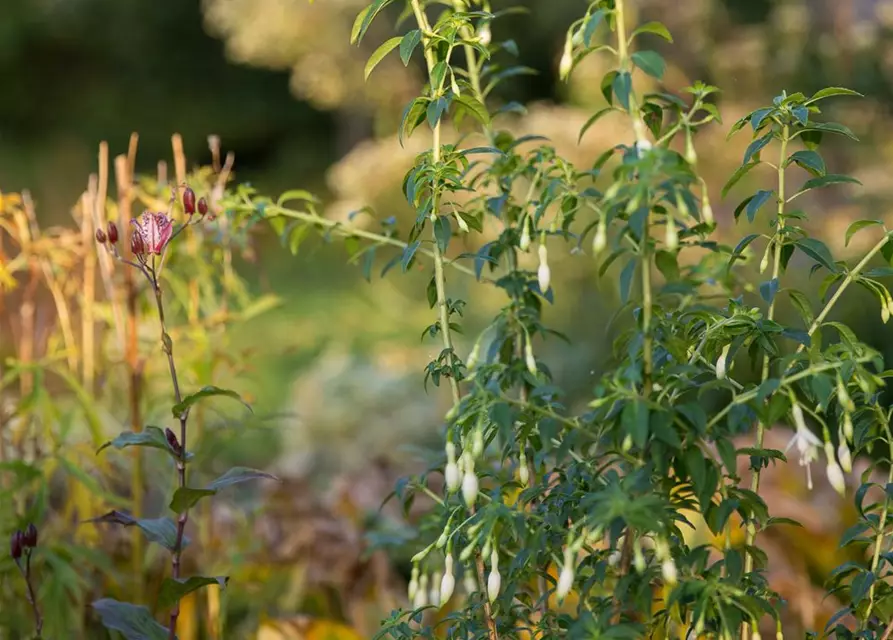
(181, 463)
(440, 281)
(882, 523)
(770, 315)
(32, 599)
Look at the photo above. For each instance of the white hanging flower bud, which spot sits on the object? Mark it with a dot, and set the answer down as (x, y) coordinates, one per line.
(434, 596)
(524, 242)
(421, 596)
(413, 588)
(484, 35)
(764, 263)
(443, 539)
(835, 477)
(465, 555)
(469, 582)
(706, 209)
(755, 635)
(477, 442)
(672, 237)
(691, 156)
(845, 457)
(600, 239)
(529, 358)
(848, 426)
(565, 578)
(567, 60)
(668, 571)
(721, 362)
(494, 580)
(453, 477)
(523, 470)
(885, 314)
(459, 219)
(544, 274)
(627, 443)
(470, 486)
(447, 585)
(638, 557)
(843, 397)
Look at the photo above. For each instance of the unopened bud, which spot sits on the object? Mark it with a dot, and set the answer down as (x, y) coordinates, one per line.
(29, 537)
(567, 60)
(524, 242)
(845, 457)
(668, 571)
(706, 209)
(477, 444)
(469, 582)
(442, 540)
(136, 244)
(885, 314)
(638, 557)
(627, 443)
(188, 201)
(848, 426)
(452, 477)
(413, 588)
(434, 596)
(470, 487)
(843, 398)
(448, 582)
(494, 580)
(100, 236)
(421, 595)
(202, 206)
(523, 470)
(16, 545)
(112, 232)
(672, 237)
(764, 263)
(835, 477)
(600, 239)
(544, 274)
(459, 219)
(529, 358)
(484, 35)
(755, 633)
(721, 362)
(566, 577)
(691, 156)
(172, 440)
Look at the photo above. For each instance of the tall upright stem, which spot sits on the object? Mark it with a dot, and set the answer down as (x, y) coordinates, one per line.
(777, 246)
(183, 518)
(440, 280)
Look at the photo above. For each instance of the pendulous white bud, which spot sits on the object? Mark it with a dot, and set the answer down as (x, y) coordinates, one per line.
(668, 571)
(600, 239)
(845, 457)
(672, 237)
(544, 274)
(494, 580)
(469, 582)
(413, 588)
(477, 443)
(452, 477)
(848, 426)
(524, 242)
(567, 60)
(470, 487)
(484, 35)
(721, 362)
(835, 477)
(529, 358)
(523, 470)
(421, 596)
(565, 581)
(434, 596)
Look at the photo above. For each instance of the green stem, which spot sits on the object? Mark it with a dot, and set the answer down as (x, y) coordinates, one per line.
(878, 543)
(440, 280)
(770, 315)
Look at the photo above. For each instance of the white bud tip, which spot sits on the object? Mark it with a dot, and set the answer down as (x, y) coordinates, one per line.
(846, 459)
(600, 240)
(494, 583)
(524, 474)
(835, 477)
(447, 585)
(470, 488)
(565, 582)
(668, 571)
(453, 477)
(544, 277)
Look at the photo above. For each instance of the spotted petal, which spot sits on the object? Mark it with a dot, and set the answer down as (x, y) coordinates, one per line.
(155, 230)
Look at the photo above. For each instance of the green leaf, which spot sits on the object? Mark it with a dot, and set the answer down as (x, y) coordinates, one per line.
(758, 118)
(754, 148)
(184, 405)
(152, 437)
(160, 530)
(592, 120)
(413, 116)
(591, 25)
(860, 586)
(857, 226)
(829, 127)
(634, 420)
(760, 198)
(237, 475)
(408, 44)
(296, 194)
(474, 107)
(656, 28)
(768, 290)
(435, 110)
(185, 498)
(817, 250)
(651, 62)
(365, 18)
(626, 279)
(802, 303)
(172, 591)
(809, 160)
(623, 86)
(132, 621)
(378, 55)
(832, 91)
(824, 181)
(442, 232)
(740, 172)
(408, 254)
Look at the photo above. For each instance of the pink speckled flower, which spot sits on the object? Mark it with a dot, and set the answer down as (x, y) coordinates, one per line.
(152, 232)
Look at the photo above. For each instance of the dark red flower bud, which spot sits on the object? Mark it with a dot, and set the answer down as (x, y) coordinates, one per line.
(113, 232)
(100, 236)
(15, 545)
(189, 201)
(202, 206)
(136, 244)
(172, 441)
(29, 537)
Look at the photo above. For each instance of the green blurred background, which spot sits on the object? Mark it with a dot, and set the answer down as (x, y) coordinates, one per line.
(280, 84)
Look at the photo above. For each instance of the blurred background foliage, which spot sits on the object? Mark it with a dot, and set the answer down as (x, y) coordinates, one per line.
(335, 367)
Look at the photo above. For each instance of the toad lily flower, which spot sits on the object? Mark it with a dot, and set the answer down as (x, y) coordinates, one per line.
(807, 443)
(151, 233)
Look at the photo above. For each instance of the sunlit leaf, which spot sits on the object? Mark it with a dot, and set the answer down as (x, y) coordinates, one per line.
(172, 591)
(132, 621)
